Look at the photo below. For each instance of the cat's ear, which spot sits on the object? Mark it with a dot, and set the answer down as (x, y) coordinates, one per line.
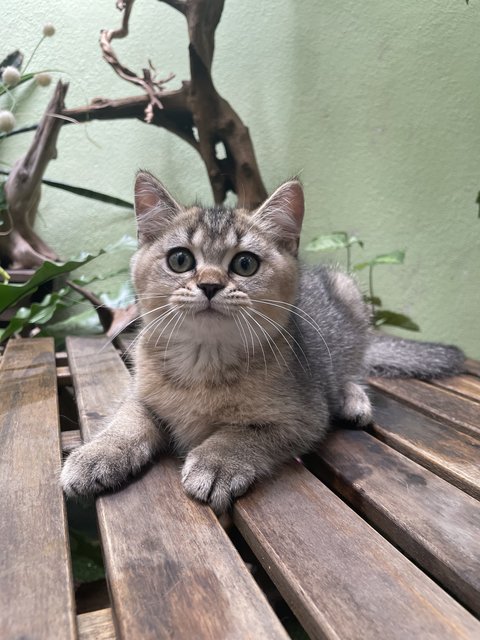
(154, 206)
(282, 214)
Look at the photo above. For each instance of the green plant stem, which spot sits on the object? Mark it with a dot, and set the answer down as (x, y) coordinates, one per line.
(32, 127)
(370, 286)
(348, 259)
(24, 70)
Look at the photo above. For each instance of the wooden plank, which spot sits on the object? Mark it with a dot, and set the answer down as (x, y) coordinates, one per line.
(171, 568)
(461, 413)
(35, 572)
(432, 521)
(341, 578)
(472, 367)
(64, 377)
(96, 625)
(70, 440)
(61, 359)
(436, 446)
(467, 386)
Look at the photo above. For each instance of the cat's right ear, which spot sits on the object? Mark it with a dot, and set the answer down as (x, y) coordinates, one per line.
(154, 207)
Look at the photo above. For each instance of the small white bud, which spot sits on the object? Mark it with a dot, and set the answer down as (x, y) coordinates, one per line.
(7, 121)
(48, 30)
(43, 79)
(10, 76)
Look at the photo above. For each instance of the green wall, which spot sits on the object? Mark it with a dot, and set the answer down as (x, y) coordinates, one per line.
(375, 105)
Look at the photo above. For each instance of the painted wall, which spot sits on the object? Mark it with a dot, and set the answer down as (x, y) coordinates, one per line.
(374, 104)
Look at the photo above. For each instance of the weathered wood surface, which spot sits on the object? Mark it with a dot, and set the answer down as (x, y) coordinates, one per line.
(70, 440)
(430, 520)
(342, 578)
(172, 570)
(452, 455)
(461, 413)
(468, 386)
(35, 575)
(96, 625)
(472, 367)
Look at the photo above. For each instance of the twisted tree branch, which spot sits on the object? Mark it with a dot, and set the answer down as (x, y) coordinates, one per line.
(195, 112)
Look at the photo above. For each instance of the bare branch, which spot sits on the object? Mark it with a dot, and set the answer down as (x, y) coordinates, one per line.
(22, 247)
(179, 5)
(149, 83)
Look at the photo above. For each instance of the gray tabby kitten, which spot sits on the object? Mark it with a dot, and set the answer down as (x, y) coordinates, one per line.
(244, 356)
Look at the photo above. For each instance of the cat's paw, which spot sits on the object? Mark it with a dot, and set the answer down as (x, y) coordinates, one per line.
(356, 407)
(93, 468)
(216, 479)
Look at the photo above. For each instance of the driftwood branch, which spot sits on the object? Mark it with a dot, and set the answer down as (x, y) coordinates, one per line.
(20, 246)
(195, 112)
(149, 83)
(113, 321)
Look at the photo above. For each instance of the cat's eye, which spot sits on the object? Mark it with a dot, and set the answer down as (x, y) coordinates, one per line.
(245, 264)
(180, 260)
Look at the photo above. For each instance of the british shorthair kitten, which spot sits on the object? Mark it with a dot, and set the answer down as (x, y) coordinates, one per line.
(245, 355)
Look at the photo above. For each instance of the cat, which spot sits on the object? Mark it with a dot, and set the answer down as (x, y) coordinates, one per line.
(245, 355)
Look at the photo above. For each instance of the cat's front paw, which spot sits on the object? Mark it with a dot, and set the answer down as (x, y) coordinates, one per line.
(93, 468)
(216, 478)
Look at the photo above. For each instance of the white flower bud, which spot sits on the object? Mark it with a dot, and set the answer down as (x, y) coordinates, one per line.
(48, 30)
(7, 121)
(10, 76)
(43, 79)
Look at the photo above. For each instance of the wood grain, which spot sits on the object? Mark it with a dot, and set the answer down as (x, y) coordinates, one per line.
(452, 455)
(461, 413)
(96, 625)
(467, 386)
(472, 367)
(35, 572)
(70, 440)
(432, 521)
(64, 377)
(172, 570)
(341, 578)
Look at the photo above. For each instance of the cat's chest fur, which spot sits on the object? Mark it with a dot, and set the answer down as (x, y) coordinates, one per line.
(198, 389)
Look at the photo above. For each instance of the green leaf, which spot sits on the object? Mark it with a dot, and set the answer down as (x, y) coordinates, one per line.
(354, 240)
(37, 314)
(384, 317)
(329, 242)
(373, 300)
(11, 293)
(82, 191)
(86, 557)
(332, 241)
(80, 324)
(89, 193)
(395, 257)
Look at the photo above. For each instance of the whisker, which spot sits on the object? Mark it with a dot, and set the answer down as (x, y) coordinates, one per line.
(244, 340)
(252, 331)
(282, 330)
(181, 317)
(270, 341)
(306, 317)
(152, 324)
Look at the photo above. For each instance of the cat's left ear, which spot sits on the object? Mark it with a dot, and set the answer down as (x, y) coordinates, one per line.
(282, 214)
(154, 206)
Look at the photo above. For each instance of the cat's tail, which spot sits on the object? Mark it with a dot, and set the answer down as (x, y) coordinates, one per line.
(391, 357)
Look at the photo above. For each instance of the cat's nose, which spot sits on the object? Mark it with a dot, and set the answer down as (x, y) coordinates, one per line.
(210, 289)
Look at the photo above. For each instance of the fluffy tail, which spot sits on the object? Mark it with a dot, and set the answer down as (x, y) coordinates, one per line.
(390, 357)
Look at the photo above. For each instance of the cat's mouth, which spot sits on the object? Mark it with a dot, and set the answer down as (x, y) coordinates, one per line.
(209, 311)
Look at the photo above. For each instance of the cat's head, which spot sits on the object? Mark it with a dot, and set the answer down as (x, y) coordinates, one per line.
(216, 265)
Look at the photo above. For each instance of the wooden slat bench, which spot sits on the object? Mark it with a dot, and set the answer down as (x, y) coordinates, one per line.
(375, 536)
